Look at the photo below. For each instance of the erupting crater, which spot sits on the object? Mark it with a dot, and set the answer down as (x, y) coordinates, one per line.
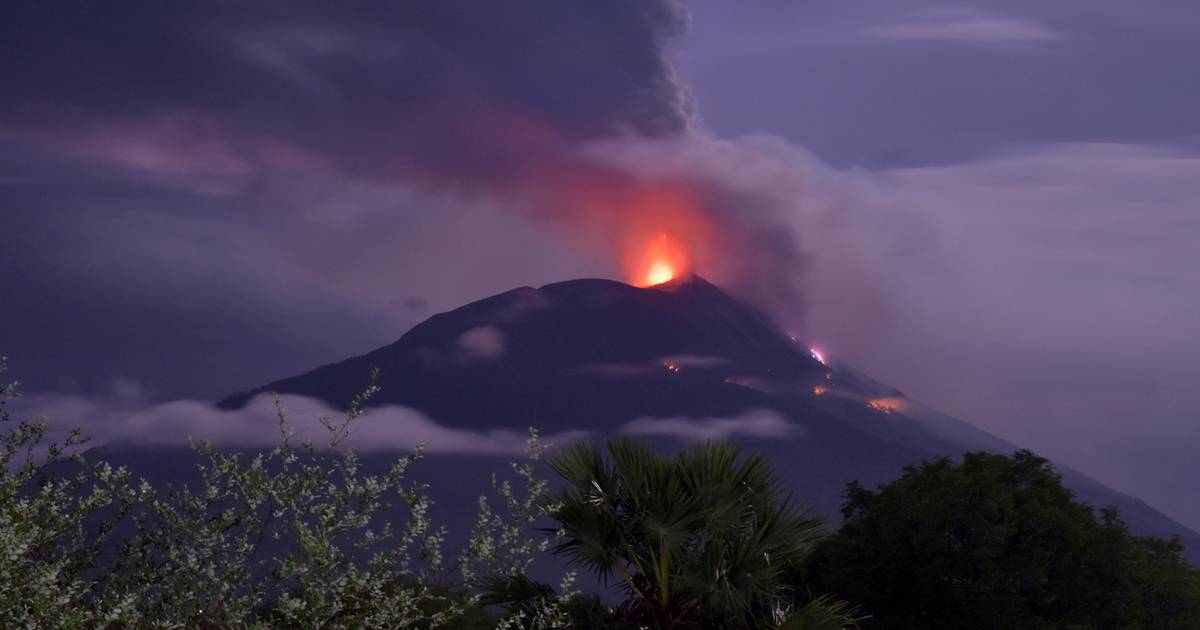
(662, 260)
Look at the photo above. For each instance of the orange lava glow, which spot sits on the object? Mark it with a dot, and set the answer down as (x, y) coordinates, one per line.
(647, 228)
(663, 234)
(662, 261)
(659, 273)
(820, 390)
(886, 405)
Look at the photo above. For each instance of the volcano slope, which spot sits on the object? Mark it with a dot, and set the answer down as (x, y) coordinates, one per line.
(674, 363)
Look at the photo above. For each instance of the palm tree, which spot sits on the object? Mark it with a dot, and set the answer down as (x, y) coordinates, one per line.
(702, 539)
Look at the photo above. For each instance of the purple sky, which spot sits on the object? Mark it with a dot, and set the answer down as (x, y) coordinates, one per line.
(993, 206)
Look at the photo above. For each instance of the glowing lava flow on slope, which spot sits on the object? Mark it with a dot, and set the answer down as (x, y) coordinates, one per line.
(886, 405)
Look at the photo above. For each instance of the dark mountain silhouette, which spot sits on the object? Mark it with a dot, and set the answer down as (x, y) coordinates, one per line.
(578, 354)
(678, 361)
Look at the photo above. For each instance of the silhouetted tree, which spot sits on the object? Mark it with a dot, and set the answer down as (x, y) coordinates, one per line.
(998, 542)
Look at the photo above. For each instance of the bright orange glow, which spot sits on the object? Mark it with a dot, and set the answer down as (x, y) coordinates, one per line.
(663, 233)
(820, 390)
(886, 405)
(661, 272)
(661, 261)
(608, 211)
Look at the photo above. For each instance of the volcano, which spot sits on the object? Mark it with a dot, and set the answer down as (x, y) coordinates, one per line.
(674, 363)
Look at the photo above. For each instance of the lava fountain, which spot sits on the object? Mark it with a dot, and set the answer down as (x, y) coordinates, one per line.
(663, 260)
(665, 234)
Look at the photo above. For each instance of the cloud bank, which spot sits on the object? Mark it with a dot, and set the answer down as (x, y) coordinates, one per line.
(177, 423)
(1046, 298)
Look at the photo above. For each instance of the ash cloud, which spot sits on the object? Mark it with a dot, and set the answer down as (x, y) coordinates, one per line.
(195, 185)
(277, 180)
(457, 87)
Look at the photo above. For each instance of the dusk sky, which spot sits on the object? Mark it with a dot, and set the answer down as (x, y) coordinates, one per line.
(990, 205)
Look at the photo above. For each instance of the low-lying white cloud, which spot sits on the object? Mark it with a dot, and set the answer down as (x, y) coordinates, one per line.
(762, 423)
(256, 425)
(964, 26)
(481, 343)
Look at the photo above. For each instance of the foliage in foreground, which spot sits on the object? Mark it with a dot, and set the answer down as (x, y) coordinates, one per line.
(998, 542)
(704, 539)
(294, 537)
(304, 538)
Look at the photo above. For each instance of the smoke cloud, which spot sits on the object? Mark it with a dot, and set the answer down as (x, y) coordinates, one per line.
(317, 141)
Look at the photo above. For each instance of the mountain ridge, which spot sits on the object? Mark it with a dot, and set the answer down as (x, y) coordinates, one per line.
(667, 362)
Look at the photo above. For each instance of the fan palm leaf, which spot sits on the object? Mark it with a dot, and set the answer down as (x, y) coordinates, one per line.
(701, 539)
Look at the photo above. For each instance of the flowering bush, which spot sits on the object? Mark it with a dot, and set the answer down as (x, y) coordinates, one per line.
(96, 547)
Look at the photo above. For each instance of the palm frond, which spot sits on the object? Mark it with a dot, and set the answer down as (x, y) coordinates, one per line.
(706, 534)
(823, 613)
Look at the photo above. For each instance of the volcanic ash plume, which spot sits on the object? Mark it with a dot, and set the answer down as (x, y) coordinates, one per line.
(377, 132)
(634, 176)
